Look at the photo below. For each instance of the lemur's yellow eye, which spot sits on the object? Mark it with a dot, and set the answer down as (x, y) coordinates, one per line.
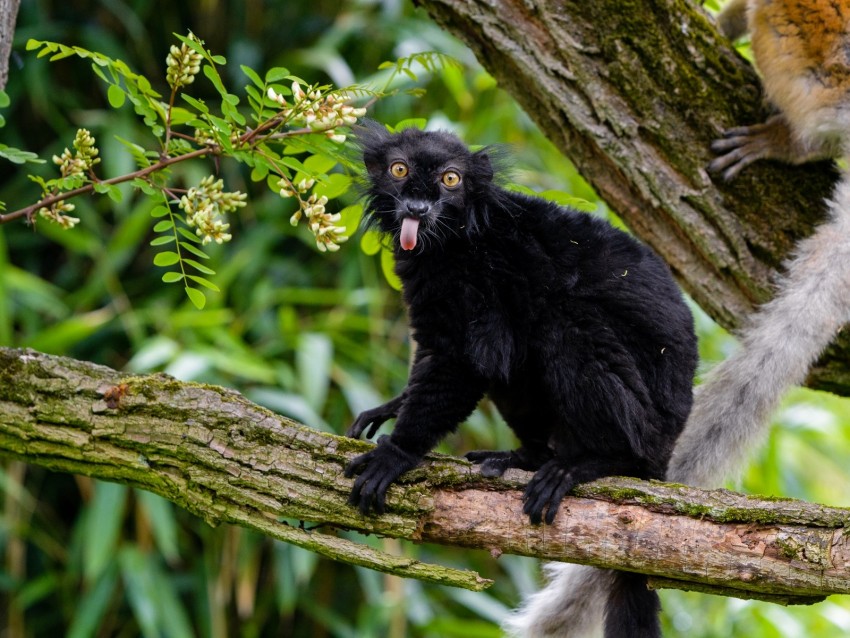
(450, 179)
(398, 170)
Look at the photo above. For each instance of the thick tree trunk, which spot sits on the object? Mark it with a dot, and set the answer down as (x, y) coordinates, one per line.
(633, 93)
(227, 460)
(8, 16)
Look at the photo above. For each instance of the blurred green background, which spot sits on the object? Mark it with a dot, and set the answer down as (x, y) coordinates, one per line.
(316, 337)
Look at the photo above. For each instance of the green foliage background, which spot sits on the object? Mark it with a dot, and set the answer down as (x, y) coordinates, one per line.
(317, 337)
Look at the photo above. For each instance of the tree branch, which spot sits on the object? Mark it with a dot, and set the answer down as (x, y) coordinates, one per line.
(225, 459)
(633, 93)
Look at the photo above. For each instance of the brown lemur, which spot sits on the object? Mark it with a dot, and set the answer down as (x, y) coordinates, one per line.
(802, 49)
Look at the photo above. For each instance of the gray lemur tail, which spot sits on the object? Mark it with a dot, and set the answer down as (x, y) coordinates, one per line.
(579, 601)
(733, 405)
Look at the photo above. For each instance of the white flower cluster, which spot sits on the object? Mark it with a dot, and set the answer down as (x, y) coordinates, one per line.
(84, 157)
(321, 223)
(182, 65)
(56, 214)
(320, 113)
(75, 164)
(205, 205)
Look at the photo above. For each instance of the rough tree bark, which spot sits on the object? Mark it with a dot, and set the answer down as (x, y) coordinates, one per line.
(8, 15)
(227, 460)
(633, 93)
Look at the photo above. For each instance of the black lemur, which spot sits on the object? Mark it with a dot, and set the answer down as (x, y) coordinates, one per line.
(576, 332)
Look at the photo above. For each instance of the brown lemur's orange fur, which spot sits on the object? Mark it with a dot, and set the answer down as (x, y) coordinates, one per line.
(802, 48)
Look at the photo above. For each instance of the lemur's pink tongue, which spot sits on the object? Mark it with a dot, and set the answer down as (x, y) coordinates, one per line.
(409, 226)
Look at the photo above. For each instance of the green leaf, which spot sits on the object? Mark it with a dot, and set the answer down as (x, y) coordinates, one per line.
(91, 605)
(105, 515)
(59, 337)
(215, 78)
(334, 186)
(160, 241)
(276, 74)
(413, 122)
(165, 224)
(199, 267)
(17, 156)
(223, 126)
(388, 266)
(319, 164)
(180, 116)
(172, 277)
(196, 297)
(566, 199)
(141, 589)
(145, 187)
(198, 104)
(252, 75)
(4, 99)
(370, 243)
(313, 360)
(194, 250)
(255, 97)
(350, 217)
(258, 174)
(115, 95)
(206, 283)
(294, 164)
(192, 237)
(163, 523)
(159, 211)
(114, 193)
(167, 258)
(110, 190)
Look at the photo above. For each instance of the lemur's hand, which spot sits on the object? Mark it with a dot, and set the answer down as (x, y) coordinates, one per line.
(378, 469)
(373, 419)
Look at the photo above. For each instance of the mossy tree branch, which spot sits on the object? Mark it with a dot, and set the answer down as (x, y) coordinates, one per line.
(225, 459)
(633, 93)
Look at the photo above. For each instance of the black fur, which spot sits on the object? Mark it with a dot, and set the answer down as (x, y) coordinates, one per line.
(575, 331)
(632, 608)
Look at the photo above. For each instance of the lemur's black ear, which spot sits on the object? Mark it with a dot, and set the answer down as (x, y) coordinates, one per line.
(483, 166)
(371, 136)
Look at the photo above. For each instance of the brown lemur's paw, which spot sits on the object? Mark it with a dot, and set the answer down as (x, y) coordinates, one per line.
(741, 146)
